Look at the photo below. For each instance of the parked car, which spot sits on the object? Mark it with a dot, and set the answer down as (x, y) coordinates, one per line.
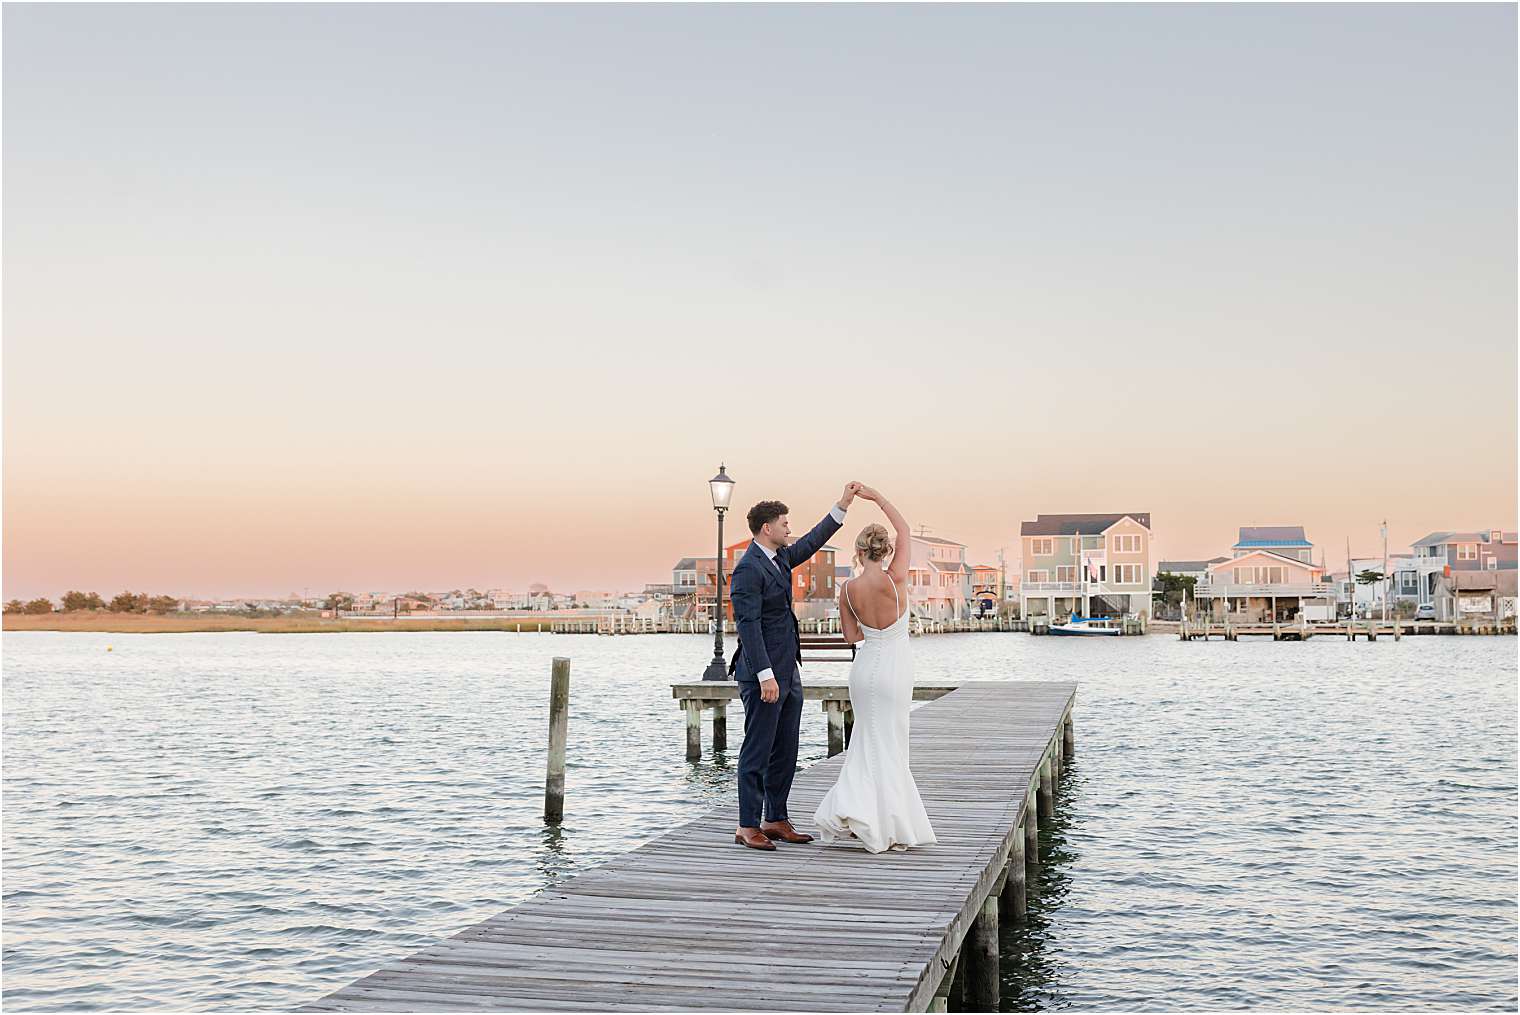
(1425, 611)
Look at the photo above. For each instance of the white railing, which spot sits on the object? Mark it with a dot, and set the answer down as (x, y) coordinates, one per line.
(1091, 588)
(1222, 590)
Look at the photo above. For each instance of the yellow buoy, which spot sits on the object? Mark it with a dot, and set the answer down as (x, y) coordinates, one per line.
(108, 648)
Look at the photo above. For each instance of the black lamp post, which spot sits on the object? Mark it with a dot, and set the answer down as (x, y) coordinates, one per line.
(722, 491)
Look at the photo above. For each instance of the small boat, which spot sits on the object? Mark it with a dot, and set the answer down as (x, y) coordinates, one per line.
(1086, 625)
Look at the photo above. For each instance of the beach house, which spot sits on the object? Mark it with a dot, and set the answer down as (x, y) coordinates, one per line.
(1091, 564)
(1269, 577)
(939, 579)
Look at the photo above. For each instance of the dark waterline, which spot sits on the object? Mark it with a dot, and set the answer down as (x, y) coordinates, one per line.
(249, 821)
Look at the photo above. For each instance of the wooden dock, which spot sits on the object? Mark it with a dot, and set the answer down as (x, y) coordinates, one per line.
(1205, 628)
(692, 921)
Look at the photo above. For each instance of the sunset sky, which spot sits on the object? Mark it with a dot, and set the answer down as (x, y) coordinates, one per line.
(382, 297)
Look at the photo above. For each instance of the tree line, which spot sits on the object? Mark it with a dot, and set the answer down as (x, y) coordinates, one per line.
(74, 601)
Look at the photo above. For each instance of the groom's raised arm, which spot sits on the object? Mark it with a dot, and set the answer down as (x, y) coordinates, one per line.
(745, 593)
(808, 545)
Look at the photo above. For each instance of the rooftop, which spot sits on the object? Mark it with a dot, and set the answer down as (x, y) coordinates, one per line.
(1271, 535)
(1176, 566)
(1071, 525)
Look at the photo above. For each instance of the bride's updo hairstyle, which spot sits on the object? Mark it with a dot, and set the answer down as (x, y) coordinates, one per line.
(872, 543)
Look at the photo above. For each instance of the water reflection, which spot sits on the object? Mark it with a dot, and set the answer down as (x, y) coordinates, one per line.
(1030, 948)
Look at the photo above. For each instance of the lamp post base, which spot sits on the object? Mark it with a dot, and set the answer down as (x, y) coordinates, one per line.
(716, 670)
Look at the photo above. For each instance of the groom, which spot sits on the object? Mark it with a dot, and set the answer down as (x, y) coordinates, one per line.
(768, 666)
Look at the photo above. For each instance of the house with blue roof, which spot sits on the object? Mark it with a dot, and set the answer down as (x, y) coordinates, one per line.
(1283, 540)
(1270, 577)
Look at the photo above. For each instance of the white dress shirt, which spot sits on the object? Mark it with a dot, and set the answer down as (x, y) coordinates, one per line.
(837, 513)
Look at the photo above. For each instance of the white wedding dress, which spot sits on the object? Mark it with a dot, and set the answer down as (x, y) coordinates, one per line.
(875, 797)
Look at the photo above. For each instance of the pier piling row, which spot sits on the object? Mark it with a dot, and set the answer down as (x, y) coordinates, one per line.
(690, 920)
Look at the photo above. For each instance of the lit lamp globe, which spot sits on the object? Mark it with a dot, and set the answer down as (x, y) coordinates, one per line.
(722, 489)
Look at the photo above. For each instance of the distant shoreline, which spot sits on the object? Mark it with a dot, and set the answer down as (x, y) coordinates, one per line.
(136, 623)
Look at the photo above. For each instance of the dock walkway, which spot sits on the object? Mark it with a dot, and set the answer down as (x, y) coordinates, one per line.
(690, 920)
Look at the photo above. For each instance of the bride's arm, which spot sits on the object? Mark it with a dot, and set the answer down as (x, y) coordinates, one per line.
(902, 547)
(847, 624)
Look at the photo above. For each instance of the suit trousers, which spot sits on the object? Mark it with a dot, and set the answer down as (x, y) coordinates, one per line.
(768, 759)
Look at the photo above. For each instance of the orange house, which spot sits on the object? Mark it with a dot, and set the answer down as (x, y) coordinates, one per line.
(813, 587)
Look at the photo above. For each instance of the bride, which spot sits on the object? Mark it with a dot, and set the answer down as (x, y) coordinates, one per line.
(875, 800)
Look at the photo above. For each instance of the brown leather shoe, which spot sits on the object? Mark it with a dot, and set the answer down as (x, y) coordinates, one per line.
(753, 838)
(784, 831)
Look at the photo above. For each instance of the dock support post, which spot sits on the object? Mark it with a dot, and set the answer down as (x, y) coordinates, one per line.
(720, 727)
(1055, 765)
(849, 724)
(1015, 898)
(559, 721)
(693, 730)
(981, 952)
(1031, 833)
(836, 727)
(1046, 793)
(947, 985)
(1068, 738)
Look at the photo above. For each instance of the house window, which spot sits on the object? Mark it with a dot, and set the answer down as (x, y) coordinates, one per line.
(1127, 574)
(1066, 573)
(1243, 575)
(1127, 543)
(1493, 563)
(1467, 551)
(1303, 555)
(1042, 547)
(1039, 576)
(688, 579)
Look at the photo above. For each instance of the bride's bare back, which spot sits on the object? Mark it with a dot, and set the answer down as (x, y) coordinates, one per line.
(878, 596)
(874, 602)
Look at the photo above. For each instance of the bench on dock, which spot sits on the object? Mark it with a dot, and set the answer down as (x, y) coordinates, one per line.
(698, 696)
(692, 921)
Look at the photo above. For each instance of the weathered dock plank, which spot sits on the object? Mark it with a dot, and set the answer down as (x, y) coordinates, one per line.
(689, 921)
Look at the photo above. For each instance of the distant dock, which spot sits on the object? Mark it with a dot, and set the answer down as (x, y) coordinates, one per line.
(692, 921)
(1207, 628)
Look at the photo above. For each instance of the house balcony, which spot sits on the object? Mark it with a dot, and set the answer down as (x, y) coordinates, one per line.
(1302, 590)
(1080, 588)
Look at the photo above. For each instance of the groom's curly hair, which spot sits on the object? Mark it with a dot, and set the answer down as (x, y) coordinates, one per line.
(765, 511)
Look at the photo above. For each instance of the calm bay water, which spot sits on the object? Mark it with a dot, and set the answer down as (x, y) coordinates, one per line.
(233, 821)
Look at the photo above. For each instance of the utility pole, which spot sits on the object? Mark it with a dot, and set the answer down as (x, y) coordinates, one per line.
(1350, 579)
(1386, 584)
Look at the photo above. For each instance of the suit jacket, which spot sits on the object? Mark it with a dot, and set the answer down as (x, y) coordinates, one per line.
(762, 596)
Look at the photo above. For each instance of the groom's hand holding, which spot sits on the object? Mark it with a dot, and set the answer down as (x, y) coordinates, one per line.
(850, 490)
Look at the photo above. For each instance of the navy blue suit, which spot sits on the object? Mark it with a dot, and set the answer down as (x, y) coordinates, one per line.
(769, 639)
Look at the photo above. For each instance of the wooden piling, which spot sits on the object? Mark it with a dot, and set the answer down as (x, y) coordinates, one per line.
(1031, 833)
(835, 711)
(980, 956)
(1014, 902)
(559, 721)
(849, 725)
(1046, 792)
(693, 730)
(1068, 738)
(947, 985)
(720, 727)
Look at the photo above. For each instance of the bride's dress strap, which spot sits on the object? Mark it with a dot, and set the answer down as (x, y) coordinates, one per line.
(847, 598)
